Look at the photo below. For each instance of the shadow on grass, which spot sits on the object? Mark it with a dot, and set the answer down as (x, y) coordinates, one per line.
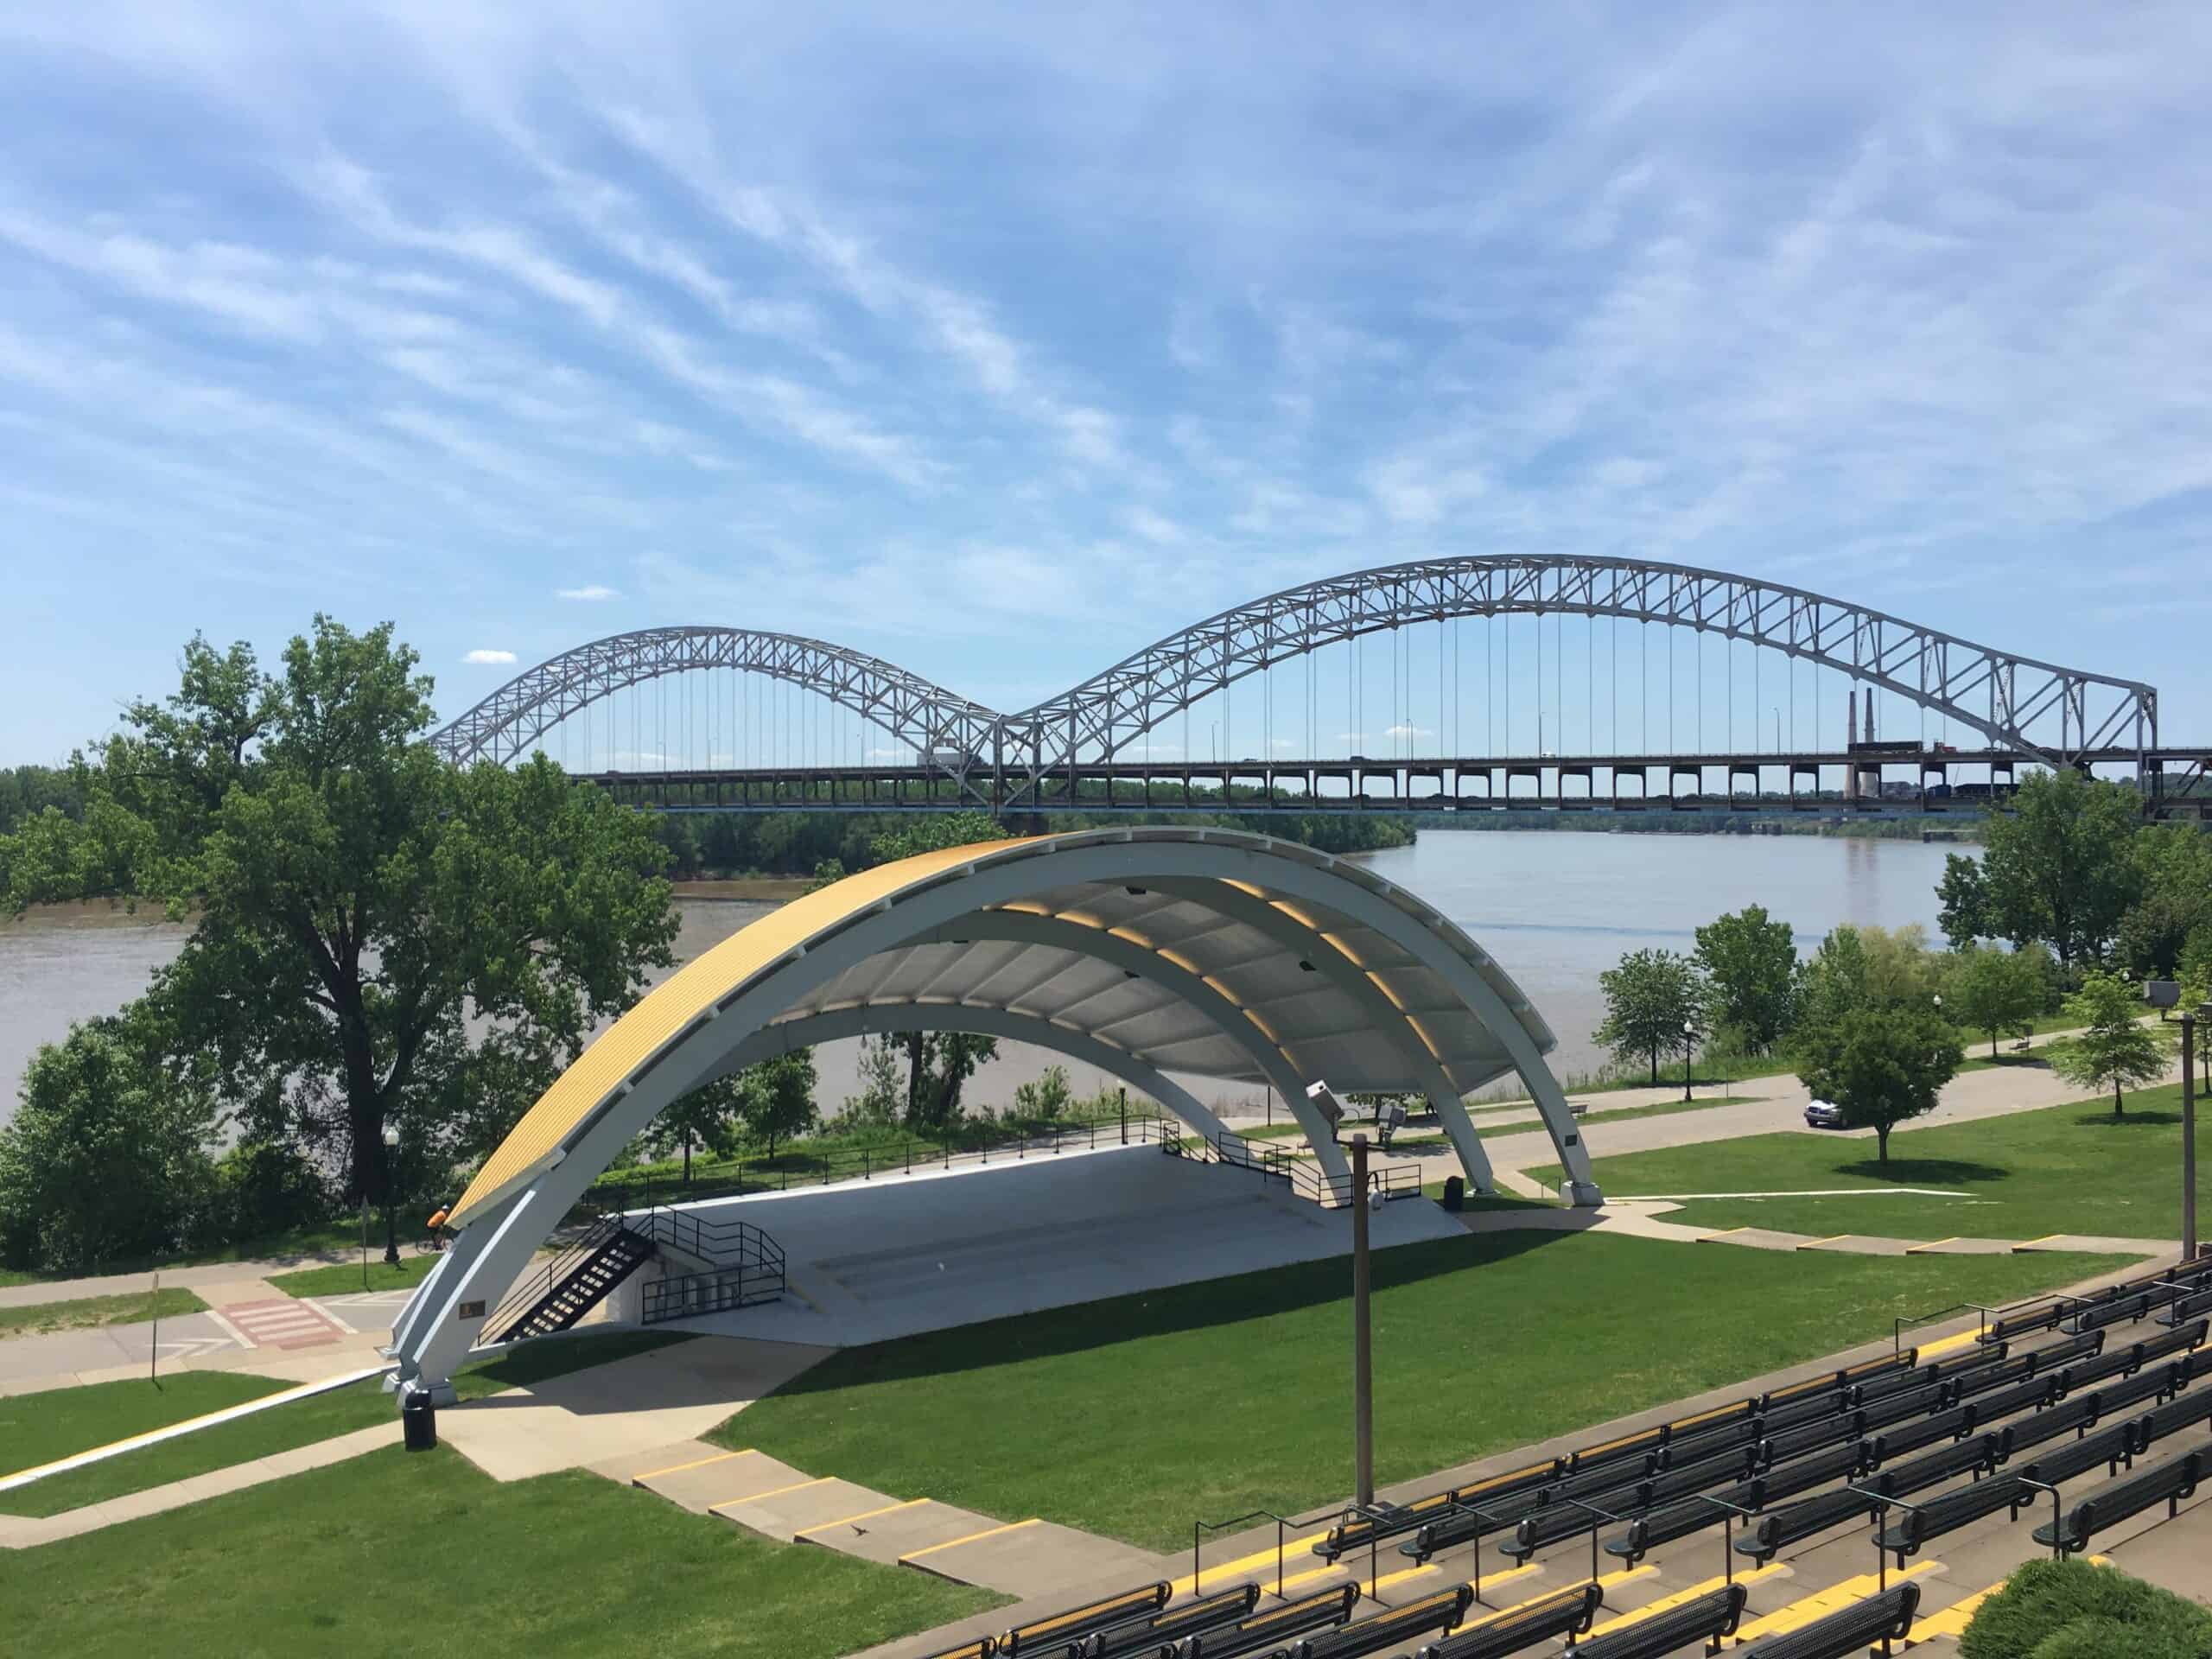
(1925, 1172)
(1199, 1306)
(2134, 1118)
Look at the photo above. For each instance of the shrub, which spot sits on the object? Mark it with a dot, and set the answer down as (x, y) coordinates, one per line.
(262, 1187)
(2069, 1610)
(1048, 1096)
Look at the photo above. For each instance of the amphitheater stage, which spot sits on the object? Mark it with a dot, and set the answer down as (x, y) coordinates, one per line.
(901, 1255)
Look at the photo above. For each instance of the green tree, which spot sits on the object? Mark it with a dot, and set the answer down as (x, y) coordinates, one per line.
(108, 1156)
(706, 1118)
(380, 936)
(941, 1063)
(1046, 1097)
(1993, 990)
(2113, 1048)
(2058, 867)
(775, 1096)
(1880, 1066)
(1962, 897)
(2173, 879)
(1750, 965)
(1835, 980)
(1649, 997)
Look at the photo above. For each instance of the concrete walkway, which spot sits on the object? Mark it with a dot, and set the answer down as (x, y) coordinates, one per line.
(1024, 1557)
(23, 1532)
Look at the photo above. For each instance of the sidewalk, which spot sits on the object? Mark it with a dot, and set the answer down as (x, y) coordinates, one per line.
(200, 1279)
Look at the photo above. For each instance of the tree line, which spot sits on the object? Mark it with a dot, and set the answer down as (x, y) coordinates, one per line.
(2073, 898)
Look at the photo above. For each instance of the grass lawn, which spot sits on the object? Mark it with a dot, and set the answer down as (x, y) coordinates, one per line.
(1135, 1417)
(337, 1281)
(44, 1427)
(2064, 1169)
(43, 1318)
(349, 1558)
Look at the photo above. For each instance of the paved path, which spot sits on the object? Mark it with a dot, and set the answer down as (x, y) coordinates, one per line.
(21, 1532)
(215, 1274)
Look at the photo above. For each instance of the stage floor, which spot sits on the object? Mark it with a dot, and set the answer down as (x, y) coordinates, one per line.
(892, 1257)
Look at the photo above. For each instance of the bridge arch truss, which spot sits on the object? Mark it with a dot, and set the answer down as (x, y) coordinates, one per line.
(2012, 699)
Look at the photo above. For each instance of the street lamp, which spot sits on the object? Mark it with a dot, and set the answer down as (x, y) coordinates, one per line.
(390, 1227)
(1689, 1036)
(2189, 1019)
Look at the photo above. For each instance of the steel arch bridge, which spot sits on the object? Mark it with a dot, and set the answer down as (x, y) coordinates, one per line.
(2009, 698)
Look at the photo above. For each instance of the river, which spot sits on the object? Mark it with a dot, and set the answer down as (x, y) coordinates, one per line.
(1555, 908)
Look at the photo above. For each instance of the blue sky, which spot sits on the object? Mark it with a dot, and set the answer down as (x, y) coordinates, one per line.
(1002, 341)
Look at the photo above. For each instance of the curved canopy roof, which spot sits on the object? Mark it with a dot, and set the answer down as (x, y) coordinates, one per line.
(1301, 961)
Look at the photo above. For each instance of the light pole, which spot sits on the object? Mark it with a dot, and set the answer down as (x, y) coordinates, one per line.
(2189, 1129)
(390, 1227)
(1689, 1036)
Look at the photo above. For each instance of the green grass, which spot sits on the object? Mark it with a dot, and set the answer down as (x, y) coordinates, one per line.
(75, 1420)
(2064, 1169)
(338, 1280)
(55, 1423)
(43, 1318)
(1133, 1417)
(349, 1559)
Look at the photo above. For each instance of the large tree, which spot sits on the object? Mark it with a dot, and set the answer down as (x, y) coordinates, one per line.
(1996, 991)
(2114, 1047)
(1750, 963)
(2059, 866)
(775, 1096)
(108, 1155)
(1880, 1066)
(1650, 998)
(2173, 880)
(380, 936)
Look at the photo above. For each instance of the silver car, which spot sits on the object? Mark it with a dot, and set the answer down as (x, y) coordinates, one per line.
(1820, 1114)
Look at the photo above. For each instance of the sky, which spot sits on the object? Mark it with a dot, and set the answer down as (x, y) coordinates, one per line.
(1002, 341)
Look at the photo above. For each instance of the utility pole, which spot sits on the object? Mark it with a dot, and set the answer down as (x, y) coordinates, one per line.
(1362, 1372)
(2189, 1128)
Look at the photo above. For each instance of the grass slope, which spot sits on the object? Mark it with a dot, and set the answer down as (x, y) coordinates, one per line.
(134, 1308)
(1138, 1415)
(38, 1417)
(339, 1280)
(348, 1560)
(2065, 1169)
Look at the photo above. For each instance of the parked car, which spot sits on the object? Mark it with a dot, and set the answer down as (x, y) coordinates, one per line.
(1820, 1114)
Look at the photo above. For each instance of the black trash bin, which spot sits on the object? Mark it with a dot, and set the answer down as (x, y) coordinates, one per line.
(1455, 1193)
(419, 1421)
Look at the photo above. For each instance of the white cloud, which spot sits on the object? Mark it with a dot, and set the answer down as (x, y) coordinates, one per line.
(480, 655)
(590, 592)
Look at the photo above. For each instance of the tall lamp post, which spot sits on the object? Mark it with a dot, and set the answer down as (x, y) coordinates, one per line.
(2189, 1019)
(1689, 1036)
(390, 1227)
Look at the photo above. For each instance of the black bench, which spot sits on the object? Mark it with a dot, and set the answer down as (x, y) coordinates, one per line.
(1709, 1619)
(1886, 1618)
(1149, 1634)
(1565, 1612)
(1080, 1621)
(1664, 1523)
(1565, 1518)
(2015, 1370)
(1325, 1610)
(1392, 1520)
(2167, 1483)
(2181, 1339)
(1441, 1613)
(1894, 1443)
(2181, 1412)
(2046, 1318)
(981, 1648)
(2121, 1310)
(2195, 1302)
(1899, 1407)
(2110, 1448)
(1777, 1531)
(2152, 1383)
(1802, 1474)
(2070, 1348)
(2037, 1391)
(1810, 1437)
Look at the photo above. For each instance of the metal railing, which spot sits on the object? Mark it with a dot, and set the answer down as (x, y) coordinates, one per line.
(1285, 1525)
(533, 1287)
(747, 1266)
(1306, 1177)
(785, 1171)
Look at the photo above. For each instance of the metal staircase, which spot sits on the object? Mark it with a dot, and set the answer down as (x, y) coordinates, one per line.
(574, 1282)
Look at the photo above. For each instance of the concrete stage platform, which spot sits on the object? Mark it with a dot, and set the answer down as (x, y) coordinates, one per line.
(892, 1257)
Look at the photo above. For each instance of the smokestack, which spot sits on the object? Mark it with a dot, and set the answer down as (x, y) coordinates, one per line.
(1851, 742)
(1870, 713)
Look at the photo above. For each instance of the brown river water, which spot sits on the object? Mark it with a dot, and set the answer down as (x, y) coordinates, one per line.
(1555, 908)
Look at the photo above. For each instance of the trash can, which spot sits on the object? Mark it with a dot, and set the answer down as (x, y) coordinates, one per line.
(418, 1420)
(1455, 1193)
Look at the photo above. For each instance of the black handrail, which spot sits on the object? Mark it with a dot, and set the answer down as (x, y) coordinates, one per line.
(1305, 1178)
(532, 1290)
